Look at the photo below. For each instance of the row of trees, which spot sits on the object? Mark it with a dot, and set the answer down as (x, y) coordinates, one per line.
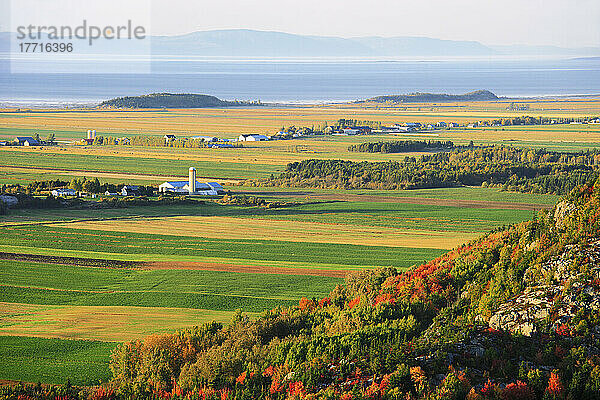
(49, 140)
(529, 120)
(35, 187)
(401, 146)
(154, 141)
(78, 184)
(518, 169)
(349, 122)
(96, 187)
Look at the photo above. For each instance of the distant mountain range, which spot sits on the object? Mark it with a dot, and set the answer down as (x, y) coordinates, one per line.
(251, 43)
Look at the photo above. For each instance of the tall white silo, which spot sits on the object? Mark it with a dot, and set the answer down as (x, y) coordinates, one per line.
(192, 180)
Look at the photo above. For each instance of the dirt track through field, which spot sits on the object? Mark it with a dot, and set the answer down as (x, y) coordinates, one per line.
(483, 204)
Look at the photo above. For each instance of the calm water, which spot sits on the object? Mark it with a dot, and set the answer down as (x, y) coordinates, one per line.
(281, 81)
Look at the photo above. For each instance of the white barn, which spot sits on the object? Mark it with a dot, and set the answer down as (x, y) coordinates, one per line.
(183, 187)
(63, 192)
(252, 138)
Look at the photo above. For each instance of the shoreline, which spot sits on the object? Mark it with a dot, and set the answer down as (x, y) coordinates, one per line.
(88, 104)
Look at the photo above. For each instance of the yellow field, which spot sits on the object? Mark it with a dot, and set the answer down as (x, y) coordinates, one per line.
(279, 153)
(294, 231)
(106, 323)
(230, 122)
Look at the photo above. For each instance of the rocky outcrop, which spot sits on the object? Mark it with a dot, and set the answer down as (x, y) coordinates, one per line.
(555, 292)
(563, 210)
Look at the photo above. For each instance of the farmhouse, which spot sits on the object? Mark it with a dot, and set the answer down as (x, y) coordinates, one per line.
(396, 129)
(26, 141)
(355, 130)
(252, 138)
(207, 139)
(131, 190)
(220, 145)
(63, 192)
(363, 129)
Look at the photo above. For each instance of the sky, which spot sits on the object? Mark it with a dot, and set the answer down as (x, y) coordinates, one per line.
(571, 23)
(567, 23)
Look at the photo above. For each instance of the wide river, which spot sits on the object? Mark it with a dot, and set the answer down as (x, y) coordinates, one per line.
(309, 81)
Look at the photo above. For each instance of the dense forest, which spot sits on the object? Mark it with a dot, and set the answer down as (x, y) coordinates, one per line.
(401, 146)
(512, 315)
(478, 95)
(169, 100)
(510, 168)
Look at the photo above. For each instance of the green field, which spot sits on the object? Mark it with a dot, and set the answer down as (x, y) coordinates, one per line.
(106, 305)
(30, 359)
(203, 261)
(43, 283)
(457, 193)
(144, 247)
(108, 164)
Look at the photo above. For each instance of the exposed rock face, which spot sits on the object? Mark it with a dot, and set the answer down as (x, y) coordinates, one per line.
(563, 210)
(555, 293)
(519, 314)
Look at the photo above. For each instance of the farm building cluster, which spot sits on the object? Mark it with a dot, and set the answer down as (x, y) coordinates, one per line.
(29, 141)
(189, 187)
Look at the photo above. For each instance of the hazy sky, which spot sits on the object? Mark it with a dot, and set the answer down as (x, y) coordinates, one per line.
(558, 22)
(571, 23)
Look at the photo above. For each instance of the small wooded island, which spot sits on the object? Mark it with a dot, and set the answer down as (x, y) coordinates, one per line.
(171, 100)
(478, 95)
